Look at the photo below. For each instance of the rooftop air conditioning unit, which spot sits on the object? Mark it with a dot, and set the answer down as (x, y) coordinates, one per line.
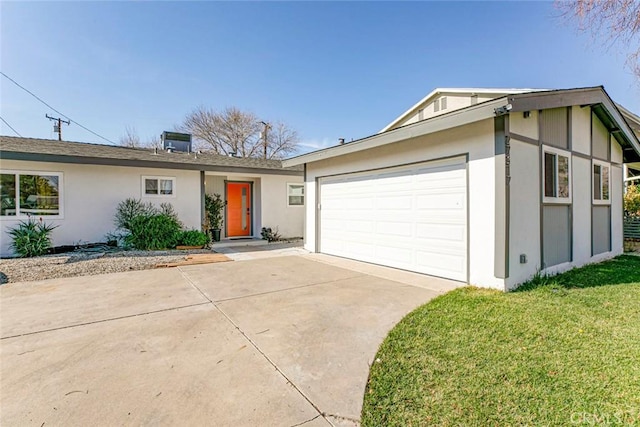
(174, 141)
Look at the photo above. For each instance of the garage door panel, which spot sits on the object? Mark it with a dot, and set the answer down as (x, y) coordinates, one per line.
(440, 201)
(410, 217)
(395, 228)
(440, 232)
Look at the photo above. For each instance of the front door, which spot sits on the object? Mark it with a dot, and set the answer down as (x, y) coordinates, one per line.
(238, 209)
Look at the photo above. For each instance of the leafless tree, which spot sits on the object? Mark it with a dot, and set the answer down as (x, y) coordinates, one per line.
(233, 131)
(130, 138)
(282, 141)
(615, 20)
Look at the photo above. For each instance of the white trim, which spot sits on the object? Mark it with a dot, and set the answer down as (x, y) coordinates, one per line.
(602, 164)
(21, 216)
(297, 184)
(557, 199)
(143, 189)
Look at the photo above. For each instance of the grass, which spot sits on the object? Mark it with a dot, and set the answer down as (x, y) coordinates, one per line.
(559, 351)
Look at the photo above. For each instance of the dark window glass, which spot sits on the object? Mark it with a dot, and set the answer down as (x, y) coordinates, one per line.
(549, 175)
(39, 195)
(7, 194)
(150, 186)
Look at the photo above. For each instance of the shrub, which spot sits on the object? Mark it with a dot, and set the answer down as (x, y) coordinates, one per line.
(153, 232)
(632, 200)
(270, 235)
(194, 238)
(214, 209)
(31, 238)
(129, 209)
(167, 209)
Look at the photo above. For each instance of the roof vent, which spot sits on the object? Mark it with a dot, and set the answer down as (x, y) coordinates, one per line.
(174, 141)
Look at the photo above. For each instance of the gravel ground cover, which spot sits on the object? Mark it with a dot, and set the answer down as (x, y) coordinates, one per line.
(86, 263)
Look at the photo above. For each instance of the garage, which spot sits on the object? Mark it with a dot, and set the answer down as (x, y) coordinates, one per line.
(412, 217)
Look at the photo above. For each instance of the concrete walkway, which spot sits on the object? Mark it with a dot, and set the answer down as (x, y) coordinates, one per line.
(283, 341)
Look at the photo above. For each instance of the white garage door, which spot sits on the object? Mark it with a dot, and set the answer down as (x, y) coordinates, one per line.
(411, 217)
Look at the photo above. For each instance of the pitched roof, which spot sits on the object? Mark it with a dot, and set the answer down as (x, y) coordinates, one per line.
(46, 150)
(596, 97)
(498, 92)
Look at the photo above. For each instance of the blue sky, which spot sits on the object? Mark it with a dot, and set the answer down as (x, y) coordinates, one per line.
(328, 69)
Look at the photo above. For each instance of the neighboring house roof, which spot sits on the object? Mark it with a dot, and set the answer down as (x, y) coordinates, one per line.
(596, 97)
(46, 150)
(632, 119)
(424, 102)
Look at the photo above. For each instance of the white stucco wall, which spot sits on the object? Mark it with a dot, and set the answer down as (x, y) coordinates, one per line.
(90, 194)
(477, 140)
(276, 213)
(270, 207)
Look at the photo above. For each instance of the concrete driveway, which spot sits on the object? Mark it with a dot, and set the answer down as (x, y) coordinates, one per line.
(283, 341)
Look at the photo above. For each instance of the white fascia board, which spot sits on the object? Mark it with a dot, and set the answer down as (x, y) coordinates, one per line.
(453, 119)
(468, 90)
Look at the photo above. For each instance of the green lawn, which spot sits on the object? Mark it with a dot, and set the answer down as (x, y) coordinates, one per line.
(560, 351)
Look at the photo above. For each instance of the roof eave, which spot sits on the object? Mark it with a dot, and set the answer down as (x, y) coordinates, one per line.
(449, 120)
(156, 164)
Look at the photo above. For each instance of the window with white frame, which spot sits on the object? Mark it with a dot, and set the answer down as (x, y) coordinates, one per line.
(601, 182)
(556, 178)
(30, 193)
(158, 186)
(295, 194)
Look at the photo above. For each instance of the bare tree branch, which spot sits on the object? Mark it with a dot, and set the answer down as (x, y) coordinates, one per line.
(130, 138)
(235, 131)
(615, 20)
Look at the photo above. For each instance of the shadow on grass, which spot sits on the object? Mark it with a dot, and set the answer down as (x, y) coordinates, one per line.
(620, 270)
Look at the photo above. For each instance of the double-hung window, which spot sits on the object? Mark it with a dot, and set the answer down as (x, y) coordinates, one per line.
(158, 186)
(601, 183)
(30, 193)
(295, 194)
(556, 179)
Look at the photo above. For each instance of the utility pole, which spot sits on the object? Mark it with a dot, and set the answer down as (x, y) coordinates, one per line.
(264, 136)
(58, 127)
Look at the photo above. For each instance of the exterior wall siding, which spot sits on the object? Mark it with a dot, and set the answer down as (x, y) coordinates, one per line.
(589, 228)
(525, 211)
(525, 126)
(91, 194)
(477, 140)
(581, 134)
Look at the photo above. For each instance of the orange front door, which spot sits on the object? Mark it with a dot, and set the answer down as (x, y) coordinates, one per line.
(238, 209)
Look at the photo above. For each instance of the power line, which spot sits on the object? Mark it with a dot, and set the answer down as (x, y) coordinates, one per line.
(63, 115)
(10, 127)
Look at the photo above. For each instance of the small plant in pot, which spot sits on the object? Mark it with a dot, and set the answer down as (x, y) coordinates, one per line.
(214, 211)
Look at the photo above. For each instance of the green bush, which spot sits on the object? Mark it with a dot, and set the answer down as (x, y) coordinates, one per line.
(31, 238)
(214, 210)
(153, 232)
(194, 238)
(632, 200)
(129, 209)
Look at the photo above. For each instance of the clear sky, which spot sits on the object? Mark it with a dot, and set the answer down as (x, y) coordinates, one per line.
(328, 69)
